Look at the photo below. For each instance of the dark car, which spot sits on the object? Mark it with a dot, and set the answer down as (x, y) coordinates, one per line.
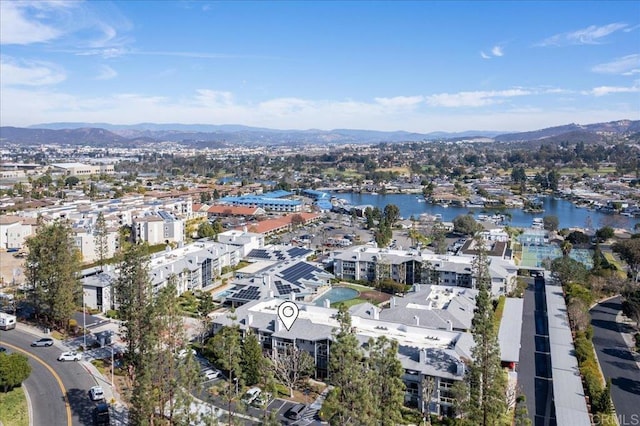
(295, 412)
(101, 414)
(3, 349)
(45, 341)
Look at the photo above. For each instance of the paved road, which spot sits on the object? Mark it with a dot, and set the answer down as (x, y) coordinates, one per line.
(47, 398)
(616, 360)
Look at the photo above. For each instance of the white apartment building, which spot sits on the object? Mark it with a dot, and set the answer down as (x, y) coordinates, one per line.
(425, 349)
(193, 267)
(412, 266)
(81, 169)
(14, 230)
(157, 228)
(247, 240)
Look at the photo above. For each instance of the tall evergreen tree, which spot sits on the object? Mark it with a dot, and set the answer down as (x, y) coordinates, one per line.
(351, 398)
(487, 381)
(101, 238)
(254, 363)
(227, 350)
(386, 381)
(52, 267)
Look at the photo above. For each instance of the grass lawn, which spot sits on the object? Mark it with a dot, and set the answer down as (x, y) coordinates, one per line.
(612, 260)
(13, 408)
(349, 303)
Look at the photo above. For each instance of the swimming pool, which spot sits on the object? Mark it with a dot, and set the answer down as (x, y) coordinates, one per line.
(337, 294)
(223, 294)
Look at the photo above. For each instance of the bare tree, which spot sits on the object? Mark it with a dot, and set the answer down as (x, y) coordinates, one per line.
(428, 387)
(290, 365)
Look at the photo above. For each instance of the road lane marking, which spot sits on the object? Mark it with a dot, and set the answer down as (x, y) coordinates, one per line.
(55, 376)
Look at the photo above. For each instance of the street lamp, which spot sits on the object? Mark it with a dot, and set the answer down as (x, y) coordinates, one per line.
(112, 366)
(84, 321)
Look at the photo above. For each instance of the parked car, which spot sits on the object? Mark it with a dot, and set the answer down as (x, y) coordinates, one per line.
(96, 393)
(3, 349)
(101, 414)
(262, 400)
(70, 356)
(295, 412)
(182, 353)
(251, 395)
(210, 374)
(45, 341)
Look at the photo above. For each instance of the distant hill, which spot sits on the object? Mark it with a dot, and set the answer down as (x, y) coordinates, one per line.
(202, 135)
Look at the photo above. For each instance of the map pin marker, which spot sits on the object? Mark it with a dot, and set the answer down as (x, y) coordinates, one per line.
(288, 313)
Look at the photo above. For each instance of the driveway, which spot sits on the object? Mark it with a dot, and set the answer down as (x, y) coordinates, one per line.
(618, 363)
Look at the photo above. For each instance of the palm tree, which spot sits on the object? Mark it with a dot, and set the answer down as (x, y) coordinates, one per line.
(566, 248)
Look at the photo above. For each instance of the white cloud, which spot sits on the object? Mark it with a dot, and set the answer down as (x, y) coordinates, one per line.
(496, 52)
(21, 106)
(590, 35)
(473, 99)
(106, 73)
(29, 73)
(626, 65)
(608, 90)
(21, 21)
(400, 101)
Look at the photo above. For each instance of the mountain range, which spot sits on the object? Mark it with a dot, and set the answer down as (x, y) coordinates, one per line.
(215, 136)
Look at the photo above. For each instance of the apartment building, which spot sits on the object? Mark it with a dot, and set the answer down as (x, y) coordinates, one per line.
(426, 349)
(422, 267)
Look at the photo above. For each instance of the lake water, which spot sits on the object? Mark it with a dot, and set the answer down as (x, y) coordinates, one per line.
(568, 214)
(337, 294)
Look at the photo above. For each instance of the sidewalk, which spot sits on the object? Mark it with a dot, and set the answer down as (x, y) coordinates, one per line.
(627, 327)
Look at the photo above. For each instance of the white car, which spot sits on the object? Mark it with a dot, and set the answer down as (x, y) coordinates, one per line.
(96, 393)
(182, 353)
(210, 374)
(70, 356)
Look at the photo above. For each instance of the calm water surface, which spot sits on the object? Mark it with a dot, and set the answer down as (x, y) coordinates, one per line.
(568, 214)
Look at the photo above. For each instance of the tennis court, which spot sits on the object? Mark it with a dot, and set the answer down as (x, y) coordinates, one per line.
(535, 255)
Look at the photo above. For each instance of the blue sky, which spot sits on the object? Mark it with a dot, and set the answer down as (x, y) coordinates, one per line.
(417, 66)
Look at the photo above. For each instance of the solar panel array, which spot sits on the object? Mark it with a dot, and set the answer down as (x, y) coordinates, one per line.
(299, 271)
(285, 288)
(259, 254)
(248, 293)
(297, 251)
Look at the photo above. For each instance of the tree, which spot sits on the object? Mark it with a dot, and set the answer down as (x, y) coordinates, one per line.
(631, 305)
(101, 240)
(487, 384)
(206, 230)
(52, 268)
(227, 350)
(465, 224)
(629, 251)
(351, 398)
(568, 270)
(133, 293)
(290, 365)
(391, 214)
(428, 385)
(297, 221)
(438, 238)
(566, 247)
(71, 181)
(577, 238)
(386, 380)
(604, 233)
(521, 415)
(550, 223)
(14, 369)
(253, 362)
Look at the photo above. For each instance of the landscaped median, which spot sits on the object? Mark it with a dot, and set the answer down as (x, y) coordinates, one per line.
(13, 408)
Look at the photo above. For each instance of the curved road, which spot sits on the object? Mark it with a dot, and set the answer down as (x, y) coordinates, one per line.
(44, 385)
(618, 363)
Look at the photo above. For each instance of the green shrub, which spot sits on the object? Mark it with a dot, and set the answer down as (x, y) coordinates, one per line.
(111, 313)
